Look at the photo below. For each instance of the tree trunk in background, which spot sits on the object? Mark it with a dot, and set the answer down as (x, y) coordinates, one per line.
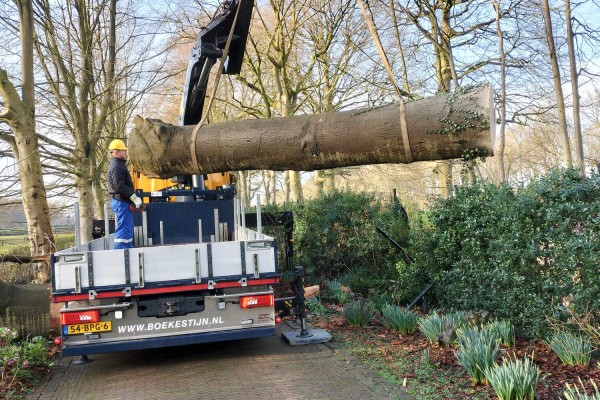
(273, 176)
(19, 114)
(296, 193)
(242, 180)
(329, 185)
(500, 143)
(442, 127)
(99, 200)
(575, 89)
(444, 173)
(267, 186)
(287, 187)
(85, 197)
(325, 180)
(560, 99)
(319, 180)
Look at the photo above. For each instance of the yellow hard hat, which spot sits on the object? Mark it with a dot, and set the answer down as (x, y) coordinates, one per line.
(117, 144)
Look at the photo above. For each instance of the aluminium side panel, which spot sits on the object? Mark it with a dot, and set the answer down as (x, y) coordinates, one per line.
(163, 264)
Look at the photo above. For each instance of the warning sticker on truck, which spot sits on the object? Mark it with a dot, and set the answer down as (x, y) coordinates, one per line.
(166, 325)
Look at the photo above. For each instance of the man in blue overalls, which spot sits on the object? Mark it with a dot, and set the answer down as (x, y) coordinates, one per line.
(120, 187)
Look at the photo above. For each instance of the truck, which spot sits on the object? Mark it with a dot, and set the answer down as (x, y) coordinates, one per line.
(197, 272)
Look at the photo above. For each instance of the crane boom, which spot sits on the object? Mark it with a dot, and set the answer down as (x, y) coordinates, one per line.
(209, 47)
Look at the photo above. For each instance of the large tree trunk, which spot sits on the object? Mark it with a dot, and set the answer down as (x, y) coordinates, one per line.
(443, 127)
(85, 195)
(19, 114)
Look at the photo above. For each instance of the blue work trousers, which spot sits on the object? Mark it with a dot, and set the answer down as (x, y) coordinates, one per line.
(123, 224)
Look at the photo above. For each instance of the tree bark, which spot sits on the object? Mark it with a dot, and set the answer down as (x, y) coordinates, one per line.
(575, 89)
(296, 187)
(19, 114)
(560, 99)
(443, 127)
(445, 182)
(500, 145)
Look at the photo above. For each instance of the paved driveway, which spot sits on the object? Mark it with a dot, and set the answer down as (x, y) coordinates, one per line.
(264, 368)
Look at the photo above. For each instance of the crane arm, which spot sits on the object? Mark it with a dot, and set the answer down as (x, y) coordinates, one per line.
(209, 47)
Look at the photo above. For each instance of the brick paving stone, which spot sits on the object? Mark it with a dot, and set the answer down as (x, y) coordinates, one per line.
(263, 368)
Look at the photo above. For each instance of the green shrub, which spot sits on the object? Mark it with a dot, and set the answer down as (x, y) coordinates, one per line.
(572, 349)
(410, 282)
(358, 313)
(477, 351)
(503, 330)
(514, 379)
(573, 393)
(335, 237)
(399, 320)
(19, 360)
(64, 241)
(493, 247)
(337, 293)
(380, 300)
(35, 351)
(315, 306)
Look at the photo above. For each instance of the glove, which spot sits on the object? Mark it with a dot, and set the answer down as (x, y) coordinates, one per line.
(136, 201)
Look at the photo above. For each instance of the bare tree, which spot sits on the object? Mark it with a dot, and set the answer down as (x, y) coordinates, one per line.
(560, 99)
(19, 113)
(94, 79)
(335, 37)
(500, 138)
(276, 44)
(575, 89)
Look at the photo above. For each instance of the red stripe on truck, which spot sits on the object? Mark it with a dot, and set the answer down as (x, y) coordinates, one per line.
(172, 289)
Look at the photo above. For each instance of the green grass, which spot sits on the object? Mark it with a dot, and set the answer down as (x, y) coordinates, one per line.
(17, 245)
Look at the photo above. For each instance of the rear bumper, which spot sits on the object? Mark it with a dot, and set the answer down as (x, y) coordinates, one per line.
(168, 341)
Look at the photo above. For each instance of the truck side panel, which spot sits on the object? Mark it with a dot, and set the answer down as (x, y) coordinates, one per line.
(79, 272)
(221, 318)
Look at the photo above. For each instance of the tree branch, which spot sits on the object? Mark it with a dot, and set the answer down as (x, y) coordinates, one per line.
(12, 101)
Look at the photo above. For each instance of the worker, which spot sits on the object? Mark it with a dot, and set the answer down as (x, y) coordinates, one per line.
(120, 187)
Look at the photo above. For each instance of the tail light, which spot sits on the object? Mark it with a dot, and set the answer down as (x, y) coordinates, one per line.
(265, 300)
(79, 317)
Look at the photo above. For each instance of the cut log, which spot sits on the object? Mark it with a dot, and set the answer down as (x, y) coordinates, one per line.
(311, 291)
(444, 127)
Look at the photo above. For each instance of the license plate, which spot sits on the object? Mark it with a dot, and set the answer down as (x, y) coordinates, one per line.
(80, 329)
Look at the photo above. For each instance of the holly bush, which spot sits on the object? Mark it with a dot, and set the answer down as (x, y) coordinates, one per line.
(336, 238)
(521, 253)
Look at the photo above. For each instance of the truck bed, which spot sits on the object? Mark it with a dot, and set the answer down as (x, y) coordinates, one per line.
(94, 270)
